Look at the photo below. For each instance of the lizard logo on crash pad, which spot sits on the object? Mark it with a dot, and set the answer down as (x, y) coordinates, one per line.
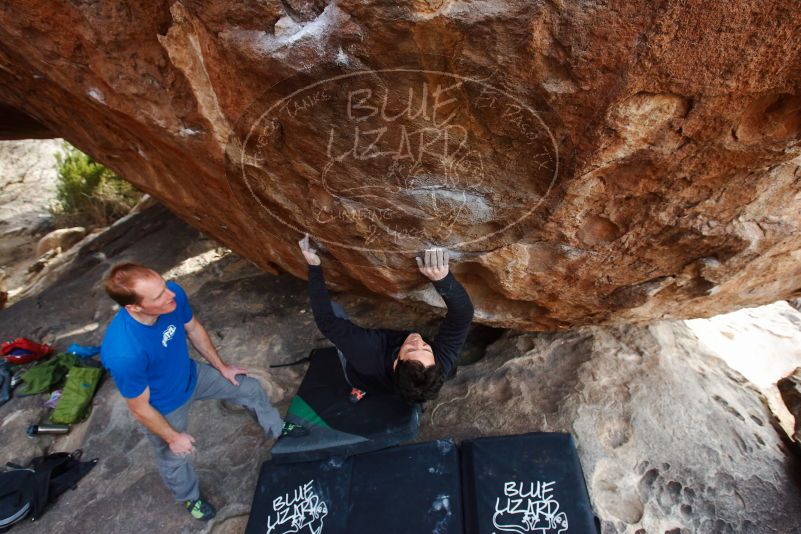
(300, 511)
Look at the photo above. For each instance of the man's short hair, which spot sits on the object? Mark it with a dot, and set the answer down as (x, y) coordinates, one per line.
(120, 280)
(417, 383)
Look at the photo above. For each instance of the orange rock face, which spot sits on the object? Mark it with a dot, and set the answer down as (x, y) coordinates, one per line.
(585, 162)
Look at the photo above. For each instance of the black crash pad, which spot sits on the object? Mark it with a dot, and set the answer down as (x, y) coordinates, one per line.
(402, 490)
(338, 427)
(527, 483)
(531, 483)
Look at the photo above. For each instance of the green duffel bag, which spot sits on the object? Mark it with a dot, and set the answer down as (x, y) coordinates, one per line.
(76, 398)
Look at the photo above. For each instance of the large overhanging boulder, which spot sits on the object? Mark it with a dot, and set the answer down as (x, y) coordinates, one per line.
(585, 162)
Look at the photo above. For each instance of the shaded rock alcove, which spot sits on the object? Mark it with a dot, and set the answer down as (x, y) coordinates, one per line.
(587, 163)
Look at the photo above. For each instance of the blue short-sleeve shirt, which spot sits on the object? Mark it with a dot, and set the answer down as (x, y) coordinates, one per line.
(155, 356)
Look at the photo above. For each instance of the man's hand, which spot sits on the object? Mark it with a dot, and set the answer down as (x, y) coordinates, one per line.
(308, 252)
(230, 372)
(182, 444)
(434, 264)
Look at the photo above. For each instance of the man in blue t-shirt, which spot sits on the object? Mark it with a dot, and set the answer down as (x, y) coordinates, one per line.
(145, 351)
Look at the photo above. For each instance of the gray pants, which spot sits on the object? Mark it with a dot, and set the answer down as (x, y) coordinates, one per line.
(177, 471)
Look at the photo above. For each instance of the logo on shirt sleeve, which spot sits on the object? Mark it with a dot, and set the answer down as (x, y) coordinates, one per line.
(167, 335)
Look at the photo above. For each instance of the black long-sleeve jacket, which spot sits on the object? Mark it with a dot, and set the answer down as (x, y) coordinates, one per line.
(370, 353)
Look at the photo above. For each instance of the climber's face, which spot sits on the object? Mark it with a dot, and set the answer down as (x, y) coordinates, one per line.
(154, 296)
(414, 348)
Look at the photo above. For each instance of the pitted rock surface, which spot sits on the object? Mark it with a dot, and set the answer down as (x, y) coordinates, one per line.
(790, 389)
(586, 162)
(666, 431)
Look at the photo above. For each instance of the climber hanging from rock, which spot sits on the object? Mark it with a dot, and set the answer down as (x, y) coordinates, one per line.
(397, 360)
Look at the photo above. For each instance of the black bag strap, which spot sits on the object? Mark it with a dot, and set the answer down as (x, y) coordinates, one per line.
(68, 477)
(43, 470)
(306, 358)
(54, 474)
(50, 462)
(296, 362)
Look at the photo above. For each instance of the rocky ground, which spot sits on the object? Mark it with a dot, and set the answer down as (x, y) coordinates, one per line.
(255, 319)
(671, 437)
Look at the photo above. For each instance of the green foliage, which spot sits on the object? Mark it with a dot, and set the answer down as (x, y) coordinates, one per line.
(88, 193)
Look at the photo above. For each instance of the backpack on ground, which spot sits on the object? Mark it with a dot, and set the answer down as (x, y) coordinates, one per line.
(75, 402)
(26, 491)
(23, 350)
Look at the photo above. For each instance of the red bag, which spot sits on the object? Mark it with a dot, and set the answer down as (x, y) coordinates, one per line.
(23, 350)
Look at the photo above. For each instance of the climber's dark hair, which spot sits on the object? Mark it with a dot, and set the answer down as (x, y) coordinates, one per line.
(417, 383)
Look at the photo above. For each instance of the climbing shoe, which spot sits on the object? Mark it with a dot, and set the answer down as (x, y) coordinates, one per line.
(200, 509)
(291, 430)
